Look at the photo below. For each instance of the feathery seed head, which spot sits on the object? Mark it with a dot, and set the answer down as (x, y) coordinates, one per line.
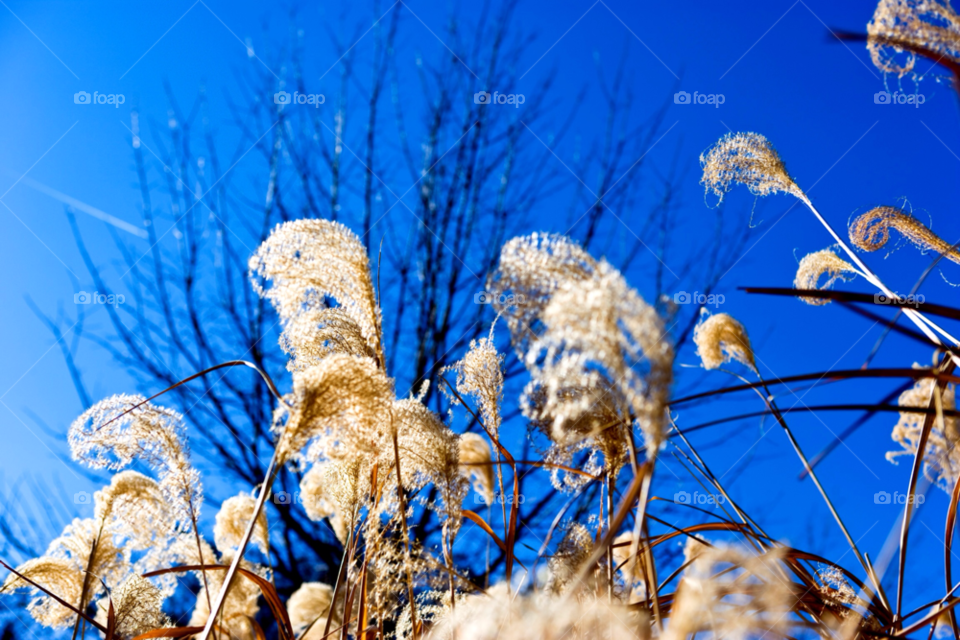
(631, 573)
(719, 339)
(341, 527)
(57, 575)
(475, 461)
(748, 159)
(429, 452)
(239, 607)
(593, 331)
(837, 596)
(499, 614)
(942, 453)
(530, 270)
(900, 25)
(90, 547)
(232, 521)
(308, 261)
(599, 329)
(693, 547)
(317, 501)
(137, 605)
(480, 375)
(310, 605)
(604, 427)
(871, 231)
(572, 551)
(335, 490)
(343, 402)
(815, 265)
(133, 506)
(314, 334)
(111, 434)
(347, 483)
(730, 592)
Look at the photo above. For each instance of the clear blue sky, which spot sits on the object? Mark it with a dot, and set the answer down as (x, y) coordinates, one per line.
(773, 62)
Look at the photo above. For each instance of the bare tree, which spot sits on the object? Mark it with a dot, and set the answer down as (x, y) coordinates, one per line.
(433, 191)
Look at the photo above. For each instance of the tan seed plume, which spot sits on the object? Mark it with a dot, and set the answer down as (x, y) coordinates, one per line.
(580, 330)
(719, 339)
(480, 375)
(748, 159)
(814, 266)
(899, 25)
(232, 521)
(342, 404)
(732, 593)
(871, 231)
(309, 606)
(137, 606)
(475, 461)
(942, 452)
(57, 575)
(112, 434)
(307, 260)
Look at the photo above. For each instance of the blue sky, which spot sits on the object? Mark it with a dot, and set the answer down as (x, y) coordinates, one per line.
(777, 69)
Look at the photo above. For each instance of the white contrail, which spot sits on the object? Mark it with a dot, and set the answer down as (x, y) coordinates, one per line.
(84, 207)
